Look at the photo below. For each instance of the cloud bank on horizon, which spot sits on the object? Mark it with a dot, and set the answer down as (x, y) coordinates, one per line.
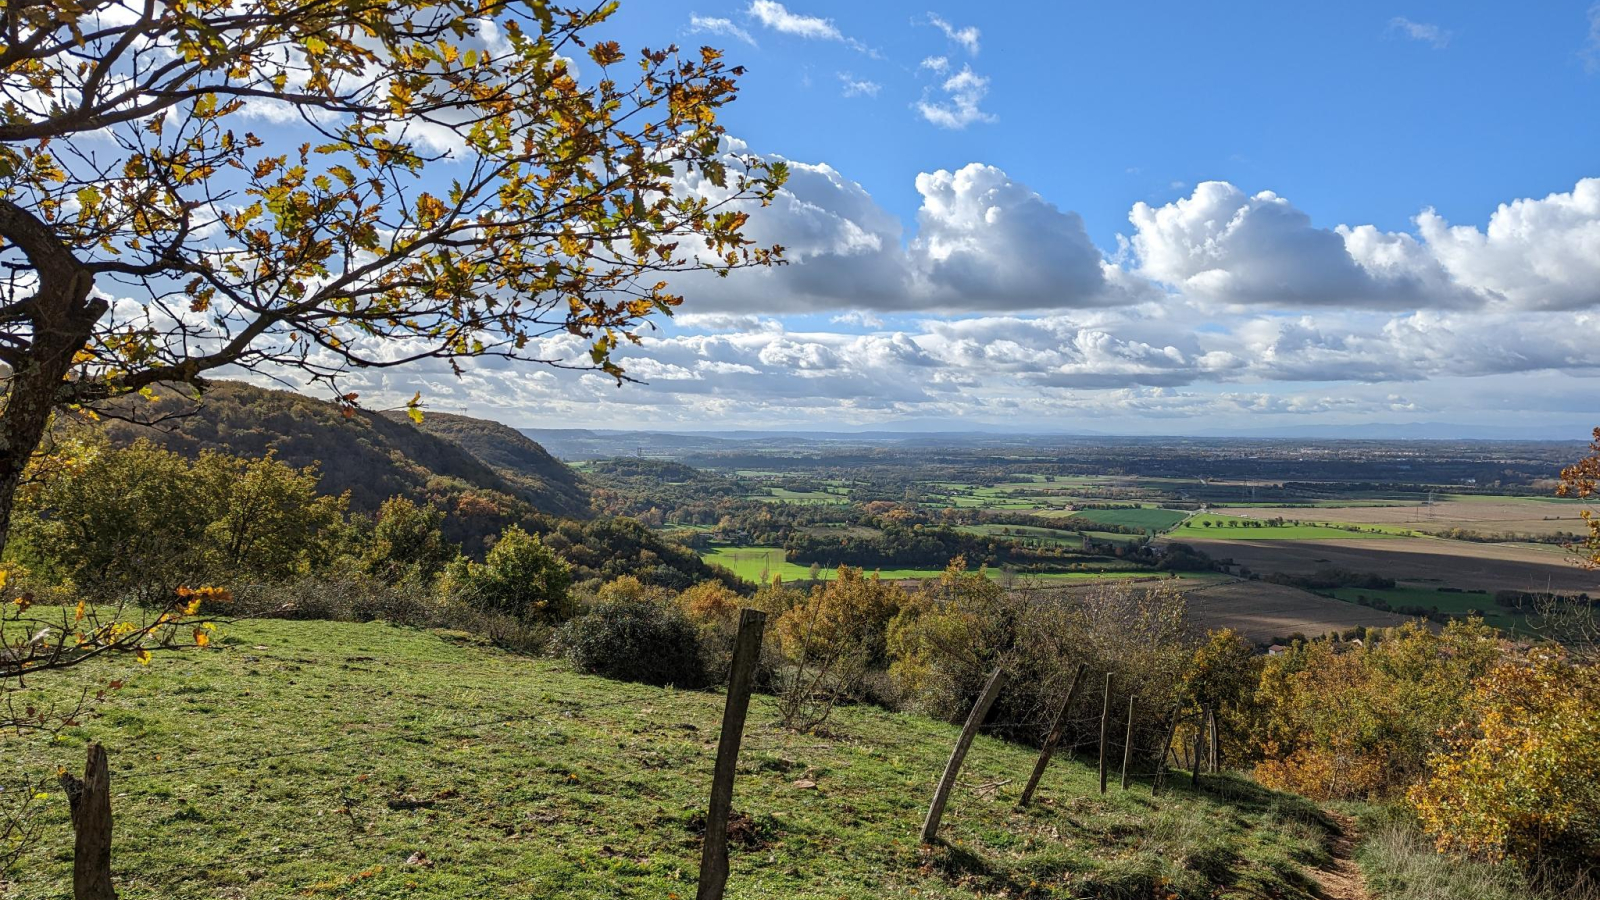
(992, 304)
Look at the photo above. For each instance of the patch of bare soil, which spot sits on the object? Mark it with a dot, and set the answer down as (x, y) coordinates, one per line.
(1340, 878)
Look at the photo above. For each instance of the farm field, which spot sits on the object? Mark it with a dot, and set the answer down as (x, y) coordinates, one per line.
(749, 562)
(407, 763)
(1053, 536)
(1151, 518)
(783, 495)
(1229, 528)
(1514, 515)
(1262, 611)
(1447, 602)
(1434, 561)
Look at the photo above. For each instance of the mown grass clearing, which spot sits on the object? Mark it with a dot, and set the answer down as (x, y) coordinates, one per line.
(1236, 528)
(315, 759)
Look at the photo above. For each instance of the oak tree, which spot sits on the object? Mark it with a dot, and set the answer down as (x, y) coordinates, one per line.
(316, 186)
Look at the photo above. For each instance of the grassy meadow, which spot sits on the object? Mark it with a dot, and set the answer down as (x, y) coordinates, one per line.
(1150, 518)
(750, 562)
(1451, 603)
(316, 759)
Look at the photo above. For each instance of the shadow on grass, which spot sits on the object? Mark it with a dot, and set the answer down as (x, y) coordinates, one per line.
(959, 865)
(1246, 796)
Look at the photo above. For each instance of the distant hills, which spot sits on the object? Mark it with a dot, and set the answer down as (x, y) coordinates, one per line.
(589, 444)
(1405, 431)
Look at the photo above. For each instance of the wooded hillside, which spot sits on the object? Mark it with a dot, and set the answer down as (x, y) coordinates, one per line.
(371, 455)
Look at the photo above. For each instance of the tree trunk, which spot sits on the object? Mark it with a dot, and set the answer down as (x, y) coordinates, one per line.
(60, 318)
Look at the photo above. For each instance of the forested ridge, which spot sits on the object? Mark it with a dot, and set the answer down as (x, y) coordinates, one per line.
(483, 476)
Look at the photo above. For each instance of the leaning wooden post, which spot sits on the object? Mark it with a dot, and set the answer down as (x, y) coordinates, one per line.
(90, 802)
(1166, 748)
(1215, 757)
(714, 852)
(1127, 745)
(1052, 739)
(1105, 731)
(1199, 740)
(941, 796)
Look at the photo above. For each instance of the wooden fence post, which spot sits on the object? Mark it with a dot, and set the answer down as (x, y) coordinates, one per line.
(1216, 749)
(941, 795)
(90, 802)
(714, 852)
(1166, 748)
(1127, 745)
(1052, 739)
(1105, 731)
(1199, 742)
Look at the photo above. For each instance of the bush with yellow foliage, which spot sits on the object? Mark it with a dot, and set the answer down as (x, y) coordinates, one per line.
(1347, 721)
(1518, 775)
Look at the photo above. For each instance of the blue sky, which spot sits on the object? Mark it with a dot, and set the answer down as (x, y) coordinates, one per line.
(1145, 218)
(1099, 104)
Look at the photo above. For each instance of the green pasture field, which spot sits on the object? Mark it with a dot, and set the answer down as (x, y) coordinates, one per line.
(1449, 602)
(1195, 527)
(1151, 518)
(371, 762)
(749, 562)
(1311, 504)
(1025, 532)
(784, 495)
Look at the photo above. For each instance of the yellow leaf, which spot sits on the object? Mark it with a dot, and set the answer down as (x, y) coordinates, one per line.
(143, 656)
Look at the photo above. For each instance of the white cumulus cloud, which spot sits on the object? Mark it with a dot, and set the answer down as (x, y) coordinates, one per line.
(712, 25)
(961, 104)
(966, 37)
(776, 16)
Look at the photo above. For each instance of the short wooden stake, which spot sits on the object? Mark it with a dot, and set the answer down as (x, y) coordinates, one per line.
(90, 802)
(1105, 731)
(714, 852)
(941, 795)
(1127, 745)
(1052, 739)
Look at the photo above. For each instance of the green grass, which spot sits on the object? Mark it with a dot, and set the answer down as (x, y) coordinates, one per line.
(1448, 602)
(784, 495)
(313, 759)
(749, 563)
(1036, 533)
(1233, 528)
(1401, 864)
(1148, 517)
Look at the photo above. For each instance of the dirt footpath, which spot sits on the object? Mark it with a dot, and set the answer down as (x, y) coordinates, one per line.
(1340, 878)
